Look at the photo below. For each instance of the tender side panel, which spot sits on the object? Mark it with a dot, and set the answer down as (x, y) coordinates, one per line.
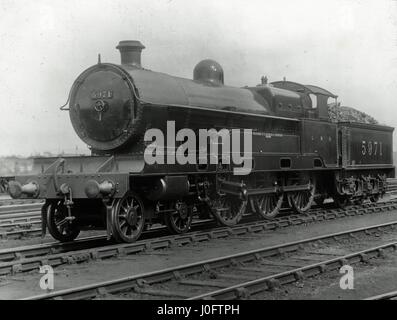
(367, 145)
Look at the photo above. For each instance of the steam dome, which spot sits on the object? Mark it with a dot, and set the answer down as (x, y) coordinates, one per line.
(208, 71)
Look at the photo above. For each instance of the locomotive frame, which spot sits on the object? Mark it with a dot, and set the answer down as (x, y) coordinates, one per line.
(299, 157)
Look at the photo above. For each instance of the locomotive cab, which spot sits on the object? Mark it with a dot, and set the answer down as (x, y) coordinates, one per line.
(314, 99)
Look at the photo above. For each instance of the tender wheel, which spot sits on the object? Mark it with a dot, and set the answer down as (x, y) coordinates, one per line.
(301, 201)
(374, 198)
(267, 206)
(358, 201)
(180, 220)
(228, 210)
(320, 200)
(341, 201)
(128, 218)
(58, 225)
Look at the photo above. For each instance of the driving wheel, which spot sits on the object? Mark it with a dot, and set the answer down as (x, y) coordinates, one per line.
(267, 206)
(301, 201)
(228, 209)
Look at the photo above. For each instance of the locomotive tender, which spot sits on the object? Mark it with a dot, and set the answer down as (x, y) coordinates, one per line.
(298, 155)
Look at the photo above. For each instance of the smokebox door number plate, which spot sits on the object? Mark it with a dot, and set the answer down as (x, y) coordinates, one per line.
(102, 94)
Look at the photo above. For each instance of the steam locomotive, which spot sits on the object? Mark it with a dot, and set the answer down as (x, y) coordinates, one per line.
(296, 156)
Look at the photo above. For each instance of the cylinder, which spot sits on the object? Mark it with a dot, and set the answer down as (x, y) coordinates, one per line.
(170, 187)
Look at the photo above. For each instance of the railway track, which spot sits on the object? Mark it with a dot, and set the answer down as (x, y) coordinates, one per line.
(20, 222)
(20, 233)
(28, 258)
(384, 296)
(20, 208)
(13, 202)
(9, 218)
(24, 220)
(242, 275)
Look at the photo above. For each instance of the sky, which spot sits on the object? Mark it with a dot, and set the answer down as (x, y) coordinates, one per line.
(348, 47)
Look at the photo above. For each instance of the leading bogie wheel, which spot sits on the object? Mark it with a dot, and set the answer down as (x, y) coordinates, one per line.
(128, 218)
(59, 226)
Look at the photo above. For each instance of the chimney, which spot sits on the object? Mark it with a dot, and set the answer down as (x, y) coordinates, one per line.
(130, 51)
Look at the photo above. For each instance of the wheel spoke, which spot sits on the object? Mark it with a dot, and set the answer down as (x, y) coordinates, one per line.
(123, 224)
(295, 199)
(180, 224)
(306, 198)
(61, 229)
(61, 223)
(302, 199)
(272, 203)
(262, 199)
(266, 206)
